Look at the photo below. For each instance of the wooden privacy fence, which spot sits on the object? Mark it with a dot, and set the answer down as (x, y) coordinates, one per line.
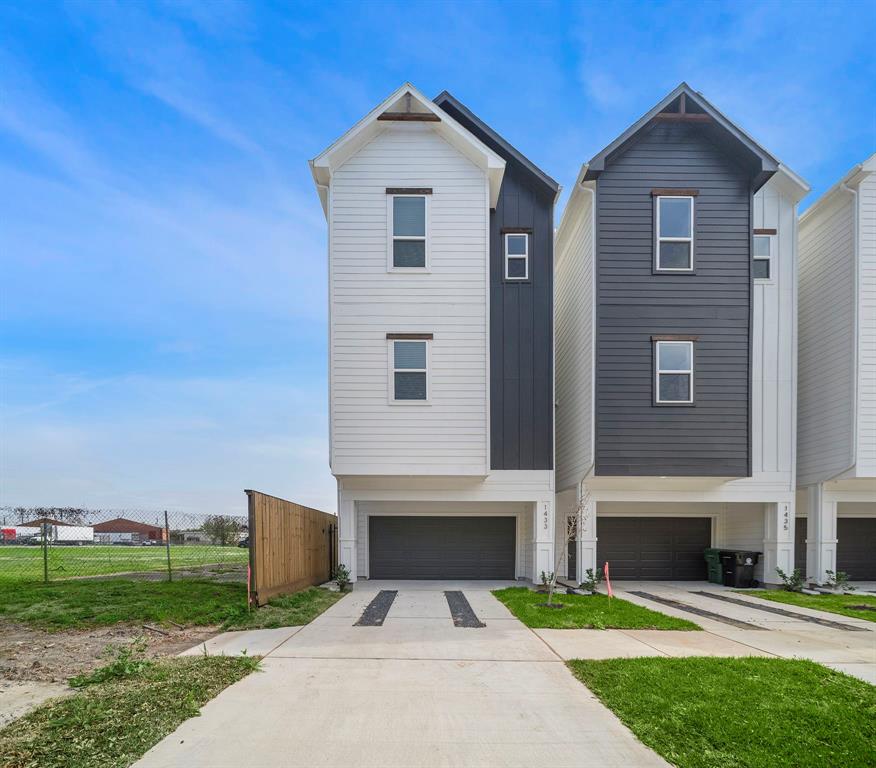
(290, 546)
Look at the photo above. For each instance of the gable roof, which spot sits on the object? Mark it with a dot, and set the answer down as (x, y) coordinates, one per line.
(123, 525)
(406, 104)
(851, 178)
(768, 164)
(447, 101)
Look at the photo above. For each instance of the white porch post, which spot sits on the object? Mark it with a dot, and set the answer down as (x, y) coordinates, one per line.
(347, 534)
(586, 542)
(820, 534)
(543, 539)
(778, 542)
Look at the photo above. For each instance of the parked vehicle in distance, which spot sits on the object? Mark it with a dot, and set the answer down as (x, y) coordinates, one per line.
(244, 542)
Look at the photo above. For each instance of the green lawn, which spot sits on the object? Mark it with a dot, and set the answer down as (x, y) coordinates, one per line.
(88, 604)
(592, 611)
(25, 563)
(286, 610)
(832, 603)
(739, 713)
(112, 723)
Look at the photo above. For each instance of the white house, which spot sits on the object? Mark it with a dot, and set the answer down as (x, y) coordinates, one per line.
(836, 455)
(676, 275)
(440, 336)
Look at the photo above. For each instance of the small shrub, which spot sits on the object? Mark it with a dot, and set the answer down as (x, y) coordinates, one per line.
(130, 660)
(592, 580)
(839, 580)
(792, 582)
(341, 576)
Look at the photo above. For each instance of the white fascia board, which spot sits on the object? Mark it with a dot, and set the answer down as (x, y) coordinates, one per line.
(790, 183)
(851, 178)
(322, 166)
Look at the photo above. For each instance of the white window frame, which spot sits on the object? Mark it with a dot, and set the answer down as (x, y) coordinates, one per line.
(391, 237)
(769, 259)
(659, 239)
(524, 256)
(390, 356)
(658, 371)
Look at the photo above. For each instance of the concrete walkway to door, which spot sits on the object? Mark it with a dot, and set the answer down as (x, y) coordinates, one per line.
(416, 691)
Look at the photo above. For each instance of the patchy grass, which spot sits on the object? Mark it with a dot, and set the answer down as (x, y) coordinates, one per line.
(735, 713)
(89, 604)
(287, 610)
(579, 611)
(25, 563)
(112, 722)
(840, 604)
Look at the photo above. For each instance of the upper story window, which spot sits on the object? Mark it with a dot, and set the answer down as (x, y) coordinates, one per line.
(674, 365)
(409, 361)
(675, 226)
(408, 225)
(516, 256)
(762, 255)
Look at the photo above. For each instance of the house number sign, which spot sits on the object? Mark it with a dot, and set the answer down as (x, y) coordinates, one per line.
(545, 517)
(786, 518)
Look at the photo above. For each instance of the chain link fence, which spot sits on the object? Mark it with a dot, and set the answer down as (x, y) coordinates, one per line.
(62, 543)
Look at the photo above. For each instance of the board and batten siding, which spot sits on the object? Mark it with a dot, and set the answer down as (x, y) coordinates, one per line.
(368, 434)
(773, 345)
(866, 455)
(633, 437)
(574, 329)
(521, 330)
(826, 333)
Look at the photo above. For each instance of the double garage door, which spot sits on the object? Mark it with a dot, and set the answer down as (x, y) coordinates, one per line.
(651, 548)
(855, 548)
(414, 547)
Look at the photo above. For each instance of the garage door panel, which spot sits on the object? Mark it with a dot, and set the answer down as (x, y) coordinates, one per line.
(417, 547)
(653, 548)
(856, 547)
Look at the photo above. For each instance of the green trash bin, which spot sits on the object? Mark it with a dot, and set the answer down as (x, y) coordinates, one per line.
(713, 564)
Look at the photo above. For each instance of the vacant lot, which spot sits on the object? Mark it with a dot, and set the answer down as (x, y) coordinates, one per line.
(855, 606)
(756, 713)
(25, 563)
(123, 710)
(580, 612)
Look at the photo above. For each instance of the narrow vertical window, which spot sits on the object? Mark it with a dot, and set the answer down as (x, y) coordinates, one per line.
(409, 371)
(517, 256)
(675, 226)
(761, 267)
(408, 231)
(674, 364)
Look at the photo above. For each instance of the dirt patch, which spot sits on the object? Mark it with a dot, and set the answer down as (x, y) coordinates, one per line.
(18, 698)
(32, 655)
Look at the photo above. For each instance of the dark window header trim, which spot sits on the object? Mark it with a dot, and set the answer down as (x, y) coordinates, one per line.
(765, 232)
(409, 190)
(666, 192)
(675, 337)
(516, 231)
(409, 336)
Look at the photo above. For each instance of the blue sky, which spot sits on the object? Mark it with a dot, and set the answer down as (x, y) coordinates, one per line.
(162, 249)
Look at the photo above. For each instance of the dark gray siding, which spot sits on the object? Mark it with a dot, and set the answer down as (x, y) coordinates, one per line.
(521, 316)
(521, 332)
(633, 436)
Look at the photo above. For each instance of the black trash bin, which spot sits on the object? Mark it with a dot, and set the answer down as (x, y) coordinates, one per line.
(744, 569)
(728, 567)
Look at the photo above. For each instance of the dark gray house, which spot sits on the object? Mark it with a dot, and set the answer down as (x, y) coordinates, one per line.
(676, 260)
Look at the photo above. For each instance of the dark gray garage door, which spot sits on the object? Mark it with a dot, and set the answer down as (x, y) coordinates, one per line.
(856, 547)
(653, 547)
(441, 547)
(800, 544)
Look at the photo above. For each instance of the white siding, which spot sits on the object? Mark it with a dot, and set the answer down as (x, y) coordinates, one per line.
(826, 340)
(866, 458)
(773, 353)
(574, 342)
(369, 435)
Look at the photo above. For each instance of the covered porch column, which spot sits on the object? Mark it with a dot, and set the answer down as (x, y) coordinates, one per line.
(543, 558)
(347, 533)
(778, 542)
(821, 536)
(586, 542)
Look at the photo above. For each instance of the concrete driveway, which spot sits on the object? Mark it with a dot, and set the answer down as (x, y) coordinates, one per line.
(416, 691)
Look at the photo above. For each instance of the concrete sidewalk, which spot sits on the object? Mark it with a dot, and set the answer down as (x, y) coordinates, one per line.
(417, 691)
